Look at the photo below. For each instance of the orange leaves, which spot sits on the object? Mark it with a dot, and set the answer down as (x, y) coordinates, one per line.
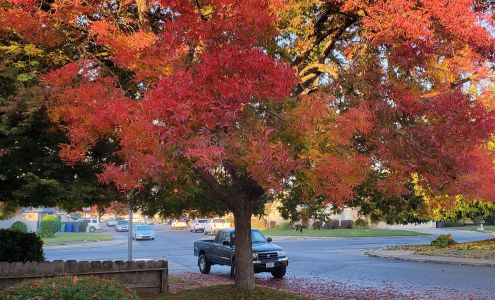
(133, 51)
(72, 155)
(269, 162)
(337, 175)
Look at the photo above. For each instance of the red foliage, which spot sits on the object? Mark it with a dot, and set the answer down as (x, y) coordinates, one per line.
(200, 82)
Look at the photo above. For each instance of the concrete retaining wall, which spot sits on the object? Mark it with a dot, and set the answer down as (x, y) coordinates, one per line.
(141, 276)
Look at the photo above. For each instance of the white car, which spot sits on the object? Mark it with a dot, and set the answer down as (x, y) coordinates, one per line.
(198, 225)
(93, 224)
(215, 225)
(178, 224)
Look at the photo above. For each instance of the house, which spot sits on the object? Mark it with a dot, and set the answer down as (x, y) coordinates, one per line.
(30, 216)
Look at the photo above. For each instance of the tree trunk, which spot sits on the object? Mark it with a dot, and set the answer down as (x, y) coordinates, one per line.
(244, 271)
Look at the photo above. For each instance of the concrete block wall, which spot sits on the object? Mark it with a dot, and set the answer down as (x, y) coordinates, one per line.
(141, 276)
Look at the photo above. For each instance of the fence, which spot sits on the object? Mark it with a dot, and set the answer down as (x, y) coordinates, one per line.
(141, 276)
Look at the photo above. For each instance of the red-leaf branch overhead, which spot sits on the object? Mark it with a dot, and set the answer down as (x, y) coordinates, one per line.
(203, 84)
(212, 68)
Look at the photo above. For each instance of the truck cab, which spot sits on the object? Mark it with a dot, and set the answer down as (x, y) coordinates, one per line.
(267, 257)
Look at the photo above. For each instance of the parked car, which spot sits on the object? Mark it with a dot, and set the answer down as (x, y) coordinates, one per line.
(178, 224)
(143, 232)
(111, 222)
(122, 225)
(198, 225)
(214, 225)
(267, 257)
(93, 225)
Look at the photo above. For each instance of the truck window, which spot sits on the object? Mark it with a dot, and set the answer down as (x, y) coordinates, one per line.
(225, 236)
(218, 239)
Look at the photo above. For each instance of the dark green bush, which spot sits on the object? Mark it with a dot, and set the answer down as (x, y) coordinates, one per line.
(317, 224)
(360, 223)
(49, 226)
(443, 241)
(347, 224)
(19, 226)
(300, 227)
(18, 246)
(453, 224)
(63, 288)
(332, 224)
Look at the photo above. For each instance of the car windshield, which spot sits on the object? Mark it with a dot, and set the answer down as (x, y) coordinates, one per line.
(143, 228)
(202, 221)
(218, 220)
(257, 237)
(123, 222)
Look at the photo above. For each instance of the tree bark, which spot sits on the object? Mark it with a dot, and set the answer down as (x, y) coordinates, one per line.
(244, 271)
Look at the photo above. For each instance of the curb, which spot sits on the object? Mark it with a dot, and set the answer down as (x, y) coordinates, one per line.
(83, 244)
(407, 255)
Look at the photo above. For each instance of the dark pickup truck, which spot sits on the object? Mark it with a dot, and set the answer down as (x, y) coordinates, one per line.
(267, 257)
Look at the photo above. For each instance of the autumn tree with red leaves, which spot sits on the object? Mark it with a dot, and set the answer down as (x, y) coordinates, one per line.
(256, 97)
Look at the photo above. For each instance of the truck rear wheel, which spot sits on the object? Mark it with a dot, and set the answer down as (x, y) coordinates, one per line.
(279, 272)
(204, 264)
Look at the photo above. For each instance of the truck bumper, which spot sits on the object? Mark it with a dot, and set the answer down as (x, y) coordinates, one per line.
(270, 265)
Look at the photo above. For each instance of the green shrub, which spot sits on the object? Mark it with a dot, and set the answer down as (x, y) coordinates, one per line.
(443, 241)
(347, 224)
(284, 226)
(19, 226)
(332, 224)
(20, 246)
(49, 226)
(360, 223)
(62, 288)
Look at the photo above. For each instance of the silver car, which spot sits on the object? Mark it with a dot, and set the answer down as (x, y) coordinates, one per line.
(143, 232)
(122, 225)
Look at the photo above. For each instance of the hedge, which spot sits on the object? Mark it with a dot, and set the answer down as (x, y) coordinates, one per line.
(62, 288)
(20, 246)
(19, 226)
(49, 226)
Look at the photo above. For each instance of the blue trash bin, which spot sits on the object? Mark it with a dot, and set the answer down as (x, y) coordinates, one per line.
(69, 227)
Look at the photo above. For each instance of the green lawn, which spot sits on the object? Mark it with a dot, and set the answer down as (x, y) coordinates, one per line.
(341, 233)
(66, 237)
(228, 292)
(479, 249)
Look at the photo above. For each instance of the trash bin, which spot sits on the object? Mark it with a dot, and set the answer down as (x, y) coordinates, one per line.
(69, 227)
(76, 227)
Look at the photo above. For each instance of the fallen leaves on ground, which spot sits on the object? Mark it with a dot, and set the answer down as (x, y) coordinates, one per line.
(324, 288)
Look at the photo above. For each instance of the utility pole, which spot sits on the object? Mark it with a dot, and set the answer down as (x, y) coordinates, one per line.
(129, 242)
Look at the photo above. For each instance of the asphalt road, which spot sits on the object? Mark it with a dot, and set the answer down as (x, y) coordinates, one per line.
(337, 260)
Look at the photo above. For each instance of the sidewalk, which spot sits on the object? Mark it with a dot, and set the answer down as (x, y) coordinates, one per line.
(409, 255)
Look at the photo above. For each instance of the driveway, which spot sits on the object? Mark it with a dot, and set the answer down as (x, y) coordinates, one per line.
(334, 260)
